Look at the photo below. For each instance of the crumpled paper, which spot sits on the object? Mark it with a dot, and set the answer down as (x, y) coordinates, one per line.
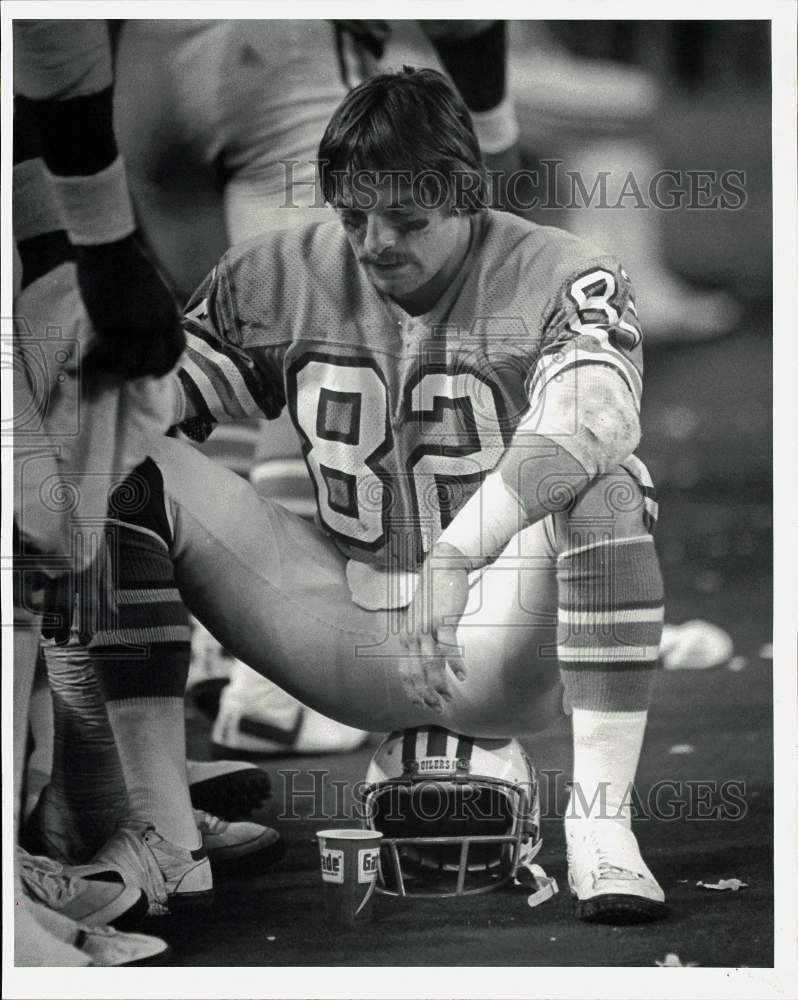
(725, 883)
(672, 961)
(695, 645)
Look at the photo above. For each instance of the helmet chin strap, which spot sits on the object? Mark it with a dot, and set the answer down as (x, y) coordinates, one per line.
(534, 877)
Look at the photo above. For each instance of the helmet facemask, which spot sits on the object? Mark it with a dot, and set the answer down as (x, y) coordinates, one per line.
(452, 837)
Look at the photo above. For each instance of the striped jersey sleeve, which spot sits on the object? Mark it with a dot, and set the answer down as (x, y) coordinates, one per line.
(221, 380)
(592, 320)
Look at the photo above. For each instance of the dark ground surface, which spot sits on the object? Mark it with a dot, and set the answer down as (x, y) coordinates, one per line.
(707, 437)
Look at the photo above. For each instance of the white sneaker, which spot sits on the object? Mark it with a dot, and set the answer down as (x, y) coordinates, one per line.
(238, 848)
(186, 874)
(45, 937)
(102, 897)
(607, 876)
(172, 877)
(106, 947)
(257, 718)
(36, 946)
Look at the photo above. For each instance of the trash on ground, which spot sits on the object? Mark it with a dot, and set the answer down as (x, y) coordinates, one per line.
(672, 961)
(725, 883)
(766, 652)
(682, 748)
(737, 663)
(695, 645)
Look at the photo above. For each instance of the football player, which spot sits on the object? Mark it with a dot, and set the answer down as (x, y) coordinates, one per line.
(247, 145)
(87, 402)
(466, 387)
(87, 395)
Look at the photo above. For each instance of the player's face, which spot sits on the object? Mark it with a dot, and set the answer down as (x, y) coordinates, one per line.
(410, 252)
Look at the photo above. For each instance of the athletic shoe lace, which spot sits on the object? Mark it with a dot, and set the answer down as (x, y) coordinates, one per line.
(128, 851)
(607, 849)
(208, 823)
(45, 879)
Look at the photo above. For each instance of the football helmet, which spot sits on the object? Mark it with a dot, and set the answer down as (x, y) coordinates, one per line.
(458, 814)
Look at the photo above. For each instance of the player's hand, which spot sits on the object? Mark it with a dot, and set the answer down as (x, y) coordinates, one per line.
(134, 315)
(429, 633)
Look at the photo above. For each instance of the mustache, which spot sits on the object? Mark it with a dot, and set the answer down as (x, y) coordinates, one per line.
(383, 260)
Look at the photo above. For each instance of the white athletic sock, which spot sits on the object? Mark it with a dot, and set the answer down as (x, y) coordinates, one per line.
(151, 738)
(606, 753)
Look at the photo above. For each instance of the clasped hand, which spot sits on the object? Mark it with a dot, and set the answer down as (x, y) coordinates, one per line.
(429, 629)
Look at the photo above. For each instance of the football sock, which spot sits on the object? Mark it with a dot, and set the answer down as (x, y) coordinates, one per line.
(606, 752)
(609, 627)
(151, 736)
(142, 658)
(609, 623)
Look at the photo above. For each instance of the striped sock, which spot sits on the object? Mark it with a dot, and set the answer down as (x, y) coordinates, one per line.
(609, 627)
(609, 623)
(141, 657)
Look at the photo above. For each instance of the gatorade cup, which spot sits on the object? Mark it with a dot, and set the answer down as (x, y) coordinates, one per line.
(350, 862)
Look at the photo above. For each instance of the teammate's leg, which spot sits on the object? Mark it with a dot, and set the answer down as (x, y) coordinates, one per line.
(145, 706)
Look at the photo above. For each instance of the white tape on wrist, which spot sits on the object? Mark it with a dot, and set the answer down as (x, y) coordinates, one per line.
(34, 209)
(95, 209)
(496, 129)
(487, 522)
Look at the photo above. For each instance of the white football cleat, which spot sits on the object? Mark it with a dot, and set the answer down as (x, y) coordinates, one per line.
(607, 876)
(257, 719)
(238, 848)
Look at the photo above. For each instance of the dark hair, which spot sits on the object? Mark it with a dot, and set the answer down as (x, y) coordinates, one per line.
(411, 121)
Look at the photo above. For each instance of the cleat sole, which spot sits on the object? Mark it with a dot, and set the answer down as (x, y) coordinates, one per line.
(162, 958)
(618, 908)
(252, 863)
(232, 796)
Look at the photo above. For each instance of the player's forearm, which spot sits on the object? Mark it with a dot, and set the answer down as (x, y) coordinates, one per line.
(532, 480)
(63, 79)
(558, 449)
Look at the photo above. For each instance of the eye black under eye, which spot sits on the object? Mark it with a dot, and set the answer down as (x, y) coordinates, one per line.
(412, 224)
